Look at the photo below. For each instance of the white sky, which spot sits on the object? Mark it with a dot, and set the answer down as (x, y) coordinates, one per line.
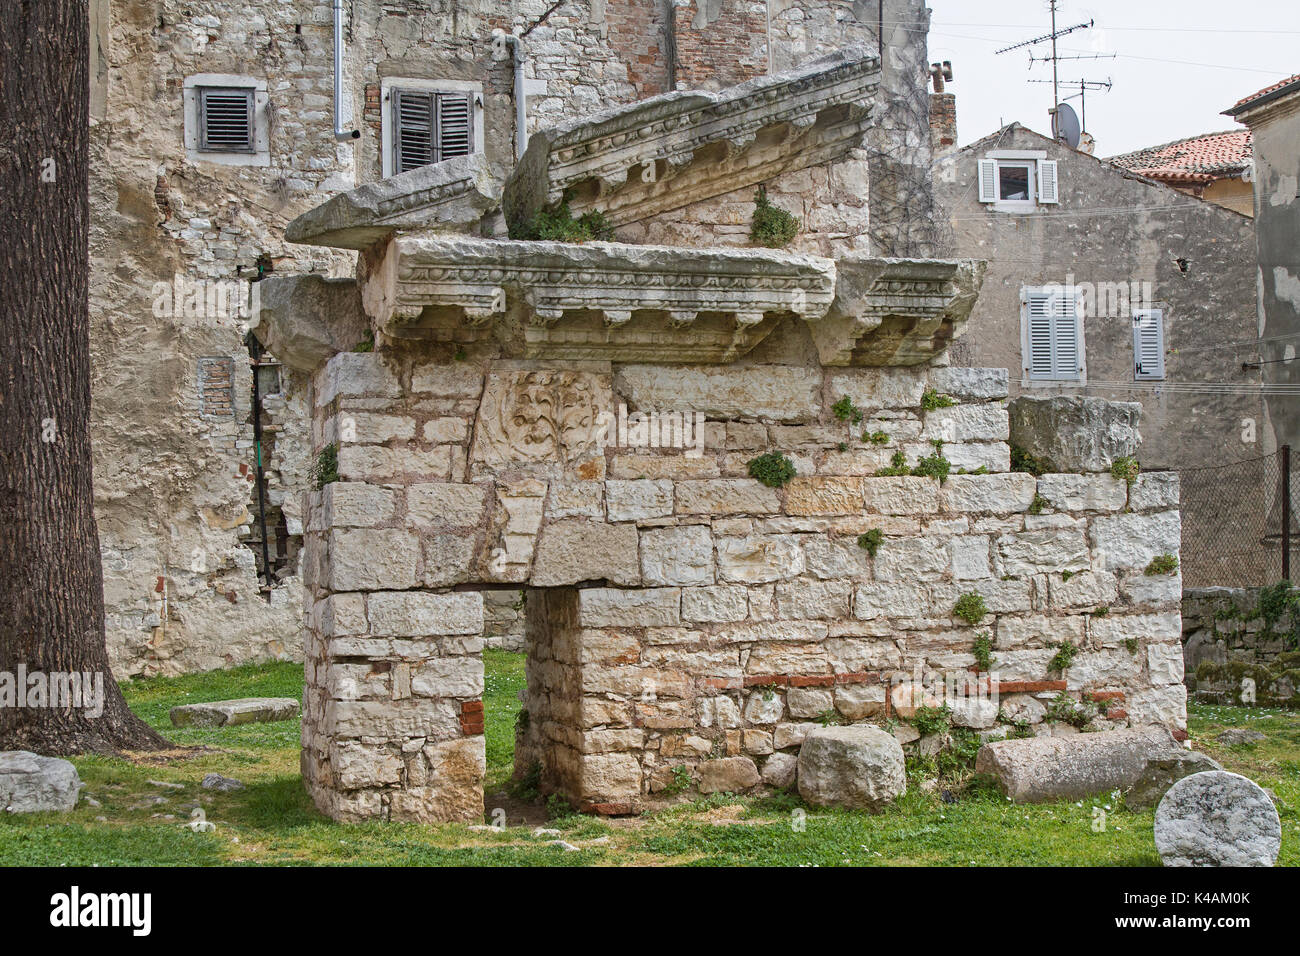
(1180, 63)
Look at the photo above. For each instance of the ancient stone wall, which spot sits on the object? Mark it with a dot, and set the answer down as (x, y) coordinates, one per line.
(682, 614)
(1242, 645)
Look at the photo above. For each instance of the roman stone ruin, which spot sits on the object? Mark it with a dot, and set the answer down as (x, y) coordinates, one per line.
(585, 421)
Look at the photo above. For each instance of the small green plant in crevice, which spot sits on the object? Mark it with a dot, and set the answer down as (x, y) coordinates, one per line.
(956, 759)
(897, 466)
(970, 607)
(846, 411)
(981, 470)
(772, 469)
(983, 651)
(1063, 658)
(772, 227)
(1126, 468)
(870, 541)
(1100, 611)
(1161, 564)
(326, 469)
(1024, 462)
(1066, 575)
(931, 720)
(555, 223)
(831, 718)
(876, 437)
(528, 785)
(1066, 710)
(842, 446)
(459, 355)
(933, 466)
(1038, 504)
(931, 399)
(681, 781)
(367, 344)
(1131, 645)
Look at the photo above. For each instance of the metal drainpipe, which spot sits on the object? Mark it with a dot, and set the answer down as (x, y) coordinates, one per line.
(340, 133)
(255, 353)
(516, 45)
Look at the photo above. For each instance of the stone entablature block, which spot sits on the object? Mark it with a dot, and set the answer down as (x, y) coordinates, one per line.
(668, 151)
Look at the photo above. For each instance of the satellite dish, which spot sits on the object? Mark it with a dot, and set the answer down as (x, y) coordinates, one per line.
(1065, 125)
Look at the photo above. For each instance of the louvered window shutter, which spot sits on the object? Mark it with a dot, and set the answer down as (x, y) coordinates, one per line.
(429, 127)
(225, 120)
(1048, 182)
(1148, 344)
(1052, 334)
(988, 180)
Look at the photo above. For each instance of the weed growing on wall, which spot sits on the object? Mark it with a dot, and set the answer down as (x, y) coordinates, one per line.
(326, 469)
(1022, 461)
(1162, 564)
(871, 541)
(772, 227)
(970, 607)
(1126, 468)
(772, 469)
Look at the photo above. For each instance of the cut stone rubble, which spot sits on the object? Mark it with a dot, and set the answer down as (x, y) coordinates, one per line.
(226, 713)
(30, 783)
(1216, 818)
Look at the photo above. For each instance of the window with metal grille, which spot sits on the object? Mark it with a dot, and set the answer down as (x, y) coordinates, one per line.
(1053, 334)
(225, 120)
(430, 126)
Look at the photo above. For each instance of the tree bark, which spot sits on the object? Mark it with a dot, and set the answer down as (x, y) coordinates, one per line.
(51, 580)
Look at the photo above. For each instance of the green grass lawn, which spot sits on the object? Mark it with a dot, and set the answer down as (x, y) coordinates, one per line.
(140, 820)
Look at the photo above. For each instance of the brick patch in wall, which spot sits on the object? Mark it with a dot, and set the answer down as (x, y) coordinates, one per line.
(471, 717)
(216, 391)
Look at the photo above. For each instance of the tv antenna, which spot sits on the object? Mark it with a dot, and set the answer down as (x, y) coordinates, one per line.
(1083, 86)
(1052, 37)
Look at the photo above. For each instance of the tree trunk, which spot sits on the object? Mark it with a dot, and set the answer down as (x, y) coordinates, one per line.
(51, 580)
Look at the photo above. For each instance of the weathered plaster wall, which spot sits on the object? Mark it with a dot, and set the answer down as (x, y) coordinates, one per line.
(1112, 227)
(1276, 135)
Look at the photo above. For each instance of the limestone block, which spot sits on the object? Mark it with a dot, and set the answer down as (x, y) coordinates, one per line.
(1216, 818)
(859, 701)
(228, 713)
(614, 607)
(791, 735)
(357, 766)
(779, 771)
(379, 464)
(420, 614)
(1038, 769)
(901, 495)
(783, 393)
(720, 712)
(304, 320)
(434, 719)
(371, 559)
(858, 767)
(1083, 492)
(970, 384)
(804, 599)
(824, 495)
(578, 499)
(355, 374)
(1132, 540)
(725, 496)
(718, 604)
(449, 677)
(454, 789)
(1165, 663)
(460, 381)
(446, 504)
(30, 783)
(992, 494)
(809, 701)
(440, 431)
(1154, 489)
(1084, 589)
(349, 504)
(1048, 550)
(574, 550)
(763, 707)
(449, 557)
(539, 417)
(872, 389)
(728, 775)
(1161, 774)
(677, 467)
(677, 556)
(970, 557)
(758, 559)
(635, 500)
(609, 777)
(912, 559)
(962, 423)
(1075, 434)
(841, 558)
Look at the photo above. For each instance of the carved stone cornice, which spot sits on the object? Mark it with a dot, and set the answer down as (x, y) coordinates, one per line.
(458, 195)
(598, 300)
(896, 311)
(668, 151)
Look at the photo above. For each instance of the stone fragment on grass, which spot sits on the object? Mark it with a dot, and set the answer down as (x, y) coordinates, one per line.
(1239, 735)
(30, 783)
(859, 767)
(1161, 773)
(1216, 818)
(215, 781)
(1038, 769)
(228, 713)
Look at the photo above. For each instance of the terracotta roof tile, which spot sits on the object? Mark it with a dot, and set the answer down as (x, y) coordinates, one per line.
(1196, 159)
(1244, 101)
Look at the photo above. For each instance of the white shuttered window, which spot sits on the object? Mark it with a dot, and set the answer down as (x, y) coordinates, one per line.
(1052, 334)
(1148, 344)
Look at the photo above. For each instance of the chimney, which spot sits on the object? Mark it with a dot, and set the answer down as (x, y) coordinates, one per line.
(943, 124)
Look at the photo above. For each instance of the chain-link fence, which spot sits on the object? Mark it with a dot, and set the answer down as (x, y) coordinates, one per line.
(1234, 524)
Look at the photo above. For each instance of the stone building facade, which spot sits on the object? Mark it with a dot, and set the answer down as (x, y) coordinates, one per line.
(176, 466)
(744, 490)
(1143, 258)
